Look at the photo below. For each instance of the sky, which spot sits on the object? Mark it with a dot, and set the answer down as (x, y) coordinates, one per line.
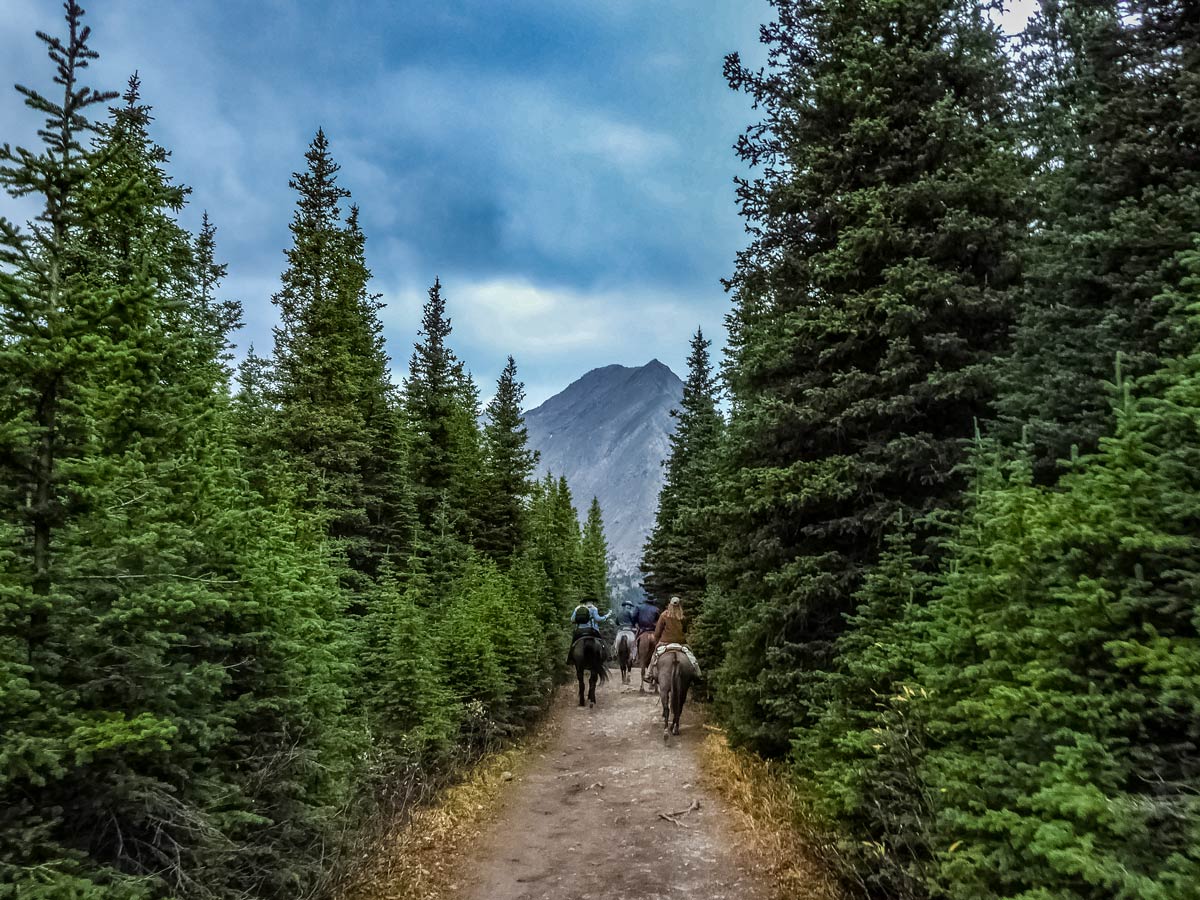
(565, 167)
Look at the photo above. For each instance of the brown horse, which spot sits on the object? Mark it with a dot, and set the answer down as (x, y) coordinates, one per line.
(645, 653)
(675, 675)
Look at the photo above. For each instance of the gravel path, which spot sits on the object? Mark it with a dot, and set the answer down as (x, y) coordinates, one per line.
(582, 819)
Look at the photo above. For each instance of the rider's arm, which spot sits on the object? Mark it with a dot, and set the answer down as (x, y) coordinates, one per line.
(658, 628)
(602, 618)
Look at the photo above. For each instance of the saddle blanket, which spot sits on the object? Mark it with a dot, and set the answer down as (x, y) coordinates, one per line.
(682, 648)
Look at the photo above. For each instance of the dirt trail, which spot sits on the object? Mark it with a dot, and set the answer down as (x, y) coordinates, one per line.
(582, 819)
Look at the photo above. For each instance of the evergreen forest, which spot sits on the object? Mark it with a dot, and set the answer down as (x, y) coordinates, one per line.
(933, 509)
(248, 615)
(936, 511)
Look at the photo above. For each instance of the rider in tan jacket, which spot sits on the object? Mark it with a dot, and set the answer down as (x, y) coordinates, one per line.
(669, 629)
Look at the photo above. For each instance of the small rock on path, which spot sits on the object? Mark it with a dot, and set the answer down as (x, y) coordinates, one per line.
(581, 821)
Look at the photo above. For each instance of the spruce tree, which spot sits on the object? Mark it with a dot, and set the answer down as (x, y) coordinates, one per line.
(337, 421)
(408, 702)
(867, 311)
(508, 469)
(567, 539)
(1115, 127)
(676, 556)
(593, 551)
(440, 403)
(146, 626)
(550, 563)
(1083, 696)
(252, 411)
(215, 318)
(1039, 733)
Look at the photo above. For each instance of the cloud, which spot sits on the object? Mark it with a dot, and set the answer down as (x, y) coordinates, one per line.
(565, 168)
(557, 333)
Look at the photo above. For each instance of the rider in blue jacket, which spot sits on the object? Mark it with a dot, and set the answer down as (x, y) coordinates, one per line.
(645, 616)
(586, 619)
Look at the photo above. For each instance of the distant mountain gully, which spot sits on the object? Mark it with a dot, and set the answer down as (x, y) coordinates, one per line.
(596, 806)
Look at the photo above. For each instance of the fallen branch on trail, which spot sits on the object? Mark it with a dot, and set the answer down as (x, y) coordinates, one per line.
(674, 817)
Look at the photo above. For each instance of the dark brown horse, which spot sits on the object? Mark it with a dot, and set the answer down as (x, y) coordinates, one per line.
(675, 675)
(588, 653)
(625, 652)
(645, 653)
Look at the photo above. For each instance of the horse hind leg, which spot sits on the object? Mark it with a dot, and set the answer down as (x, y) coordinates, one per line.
(579, 676)
(678, 699)
(665, 696)
(591, 690)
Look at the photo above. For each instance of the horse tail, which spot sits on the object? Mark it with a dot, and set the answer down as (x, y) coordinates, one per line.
(681, 679)
(625, 649)
(597, 665)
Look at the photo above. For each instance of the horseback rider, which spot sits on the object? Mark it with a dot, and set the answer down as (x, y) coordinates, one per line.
(645, 615)
(586, 619)
(671, 630)
(626, 637)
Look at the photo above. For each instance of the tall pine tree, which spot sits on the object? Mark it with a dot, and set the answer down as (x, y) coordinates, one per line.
(594, 558)
(676, 556)
(867, 310)
(336, 421)
(162, 662)
(440, 403)
(1113, 120)
(508, 469)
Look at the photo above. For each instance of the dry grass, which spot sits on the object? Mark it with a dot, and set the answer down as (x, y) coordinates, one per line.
(764, 806)
(422, 860)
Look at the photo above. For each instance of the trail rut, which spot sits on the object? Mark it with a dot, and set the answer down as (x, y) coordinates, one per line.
(582, 819)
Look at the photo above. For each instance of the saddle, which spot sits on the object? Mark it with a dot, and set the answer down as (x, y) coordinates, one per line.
(590, 635)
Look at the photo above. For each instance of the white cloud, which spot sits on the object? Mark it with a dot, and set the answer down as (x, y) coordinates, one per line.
(543, 322)
(555, 332)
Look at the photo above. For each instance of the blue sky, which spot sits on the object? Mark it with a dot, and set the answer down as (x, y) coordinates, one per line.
(564, 166)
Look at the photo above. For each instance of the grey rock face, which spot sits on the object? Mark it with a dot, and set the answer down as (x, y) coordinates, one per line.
(607, 433)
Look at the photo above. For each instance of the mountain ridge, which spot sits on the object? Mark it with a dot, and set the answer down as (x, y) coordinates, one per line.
(607, 433)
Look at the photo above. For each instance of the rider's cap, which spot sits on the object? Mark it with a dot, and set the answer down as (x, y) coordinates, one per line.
(674, 600)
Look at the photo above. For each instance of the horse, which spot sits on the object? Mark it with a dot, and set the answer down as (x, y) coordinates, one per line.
(675, 675)
(588, 653)
(625, 652)
(645, 653)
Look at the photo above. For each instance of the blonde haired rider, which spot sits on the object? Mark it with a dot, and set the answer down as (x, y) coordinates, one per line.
(671, 630)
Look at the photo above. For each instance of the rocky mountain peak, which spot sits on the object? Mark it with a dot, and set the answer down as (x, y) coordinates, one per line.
(607, 432)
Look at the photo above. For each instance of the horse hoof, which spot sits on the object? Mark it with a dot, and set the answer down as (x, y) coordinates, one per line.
(666, 735)
(581, 703)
